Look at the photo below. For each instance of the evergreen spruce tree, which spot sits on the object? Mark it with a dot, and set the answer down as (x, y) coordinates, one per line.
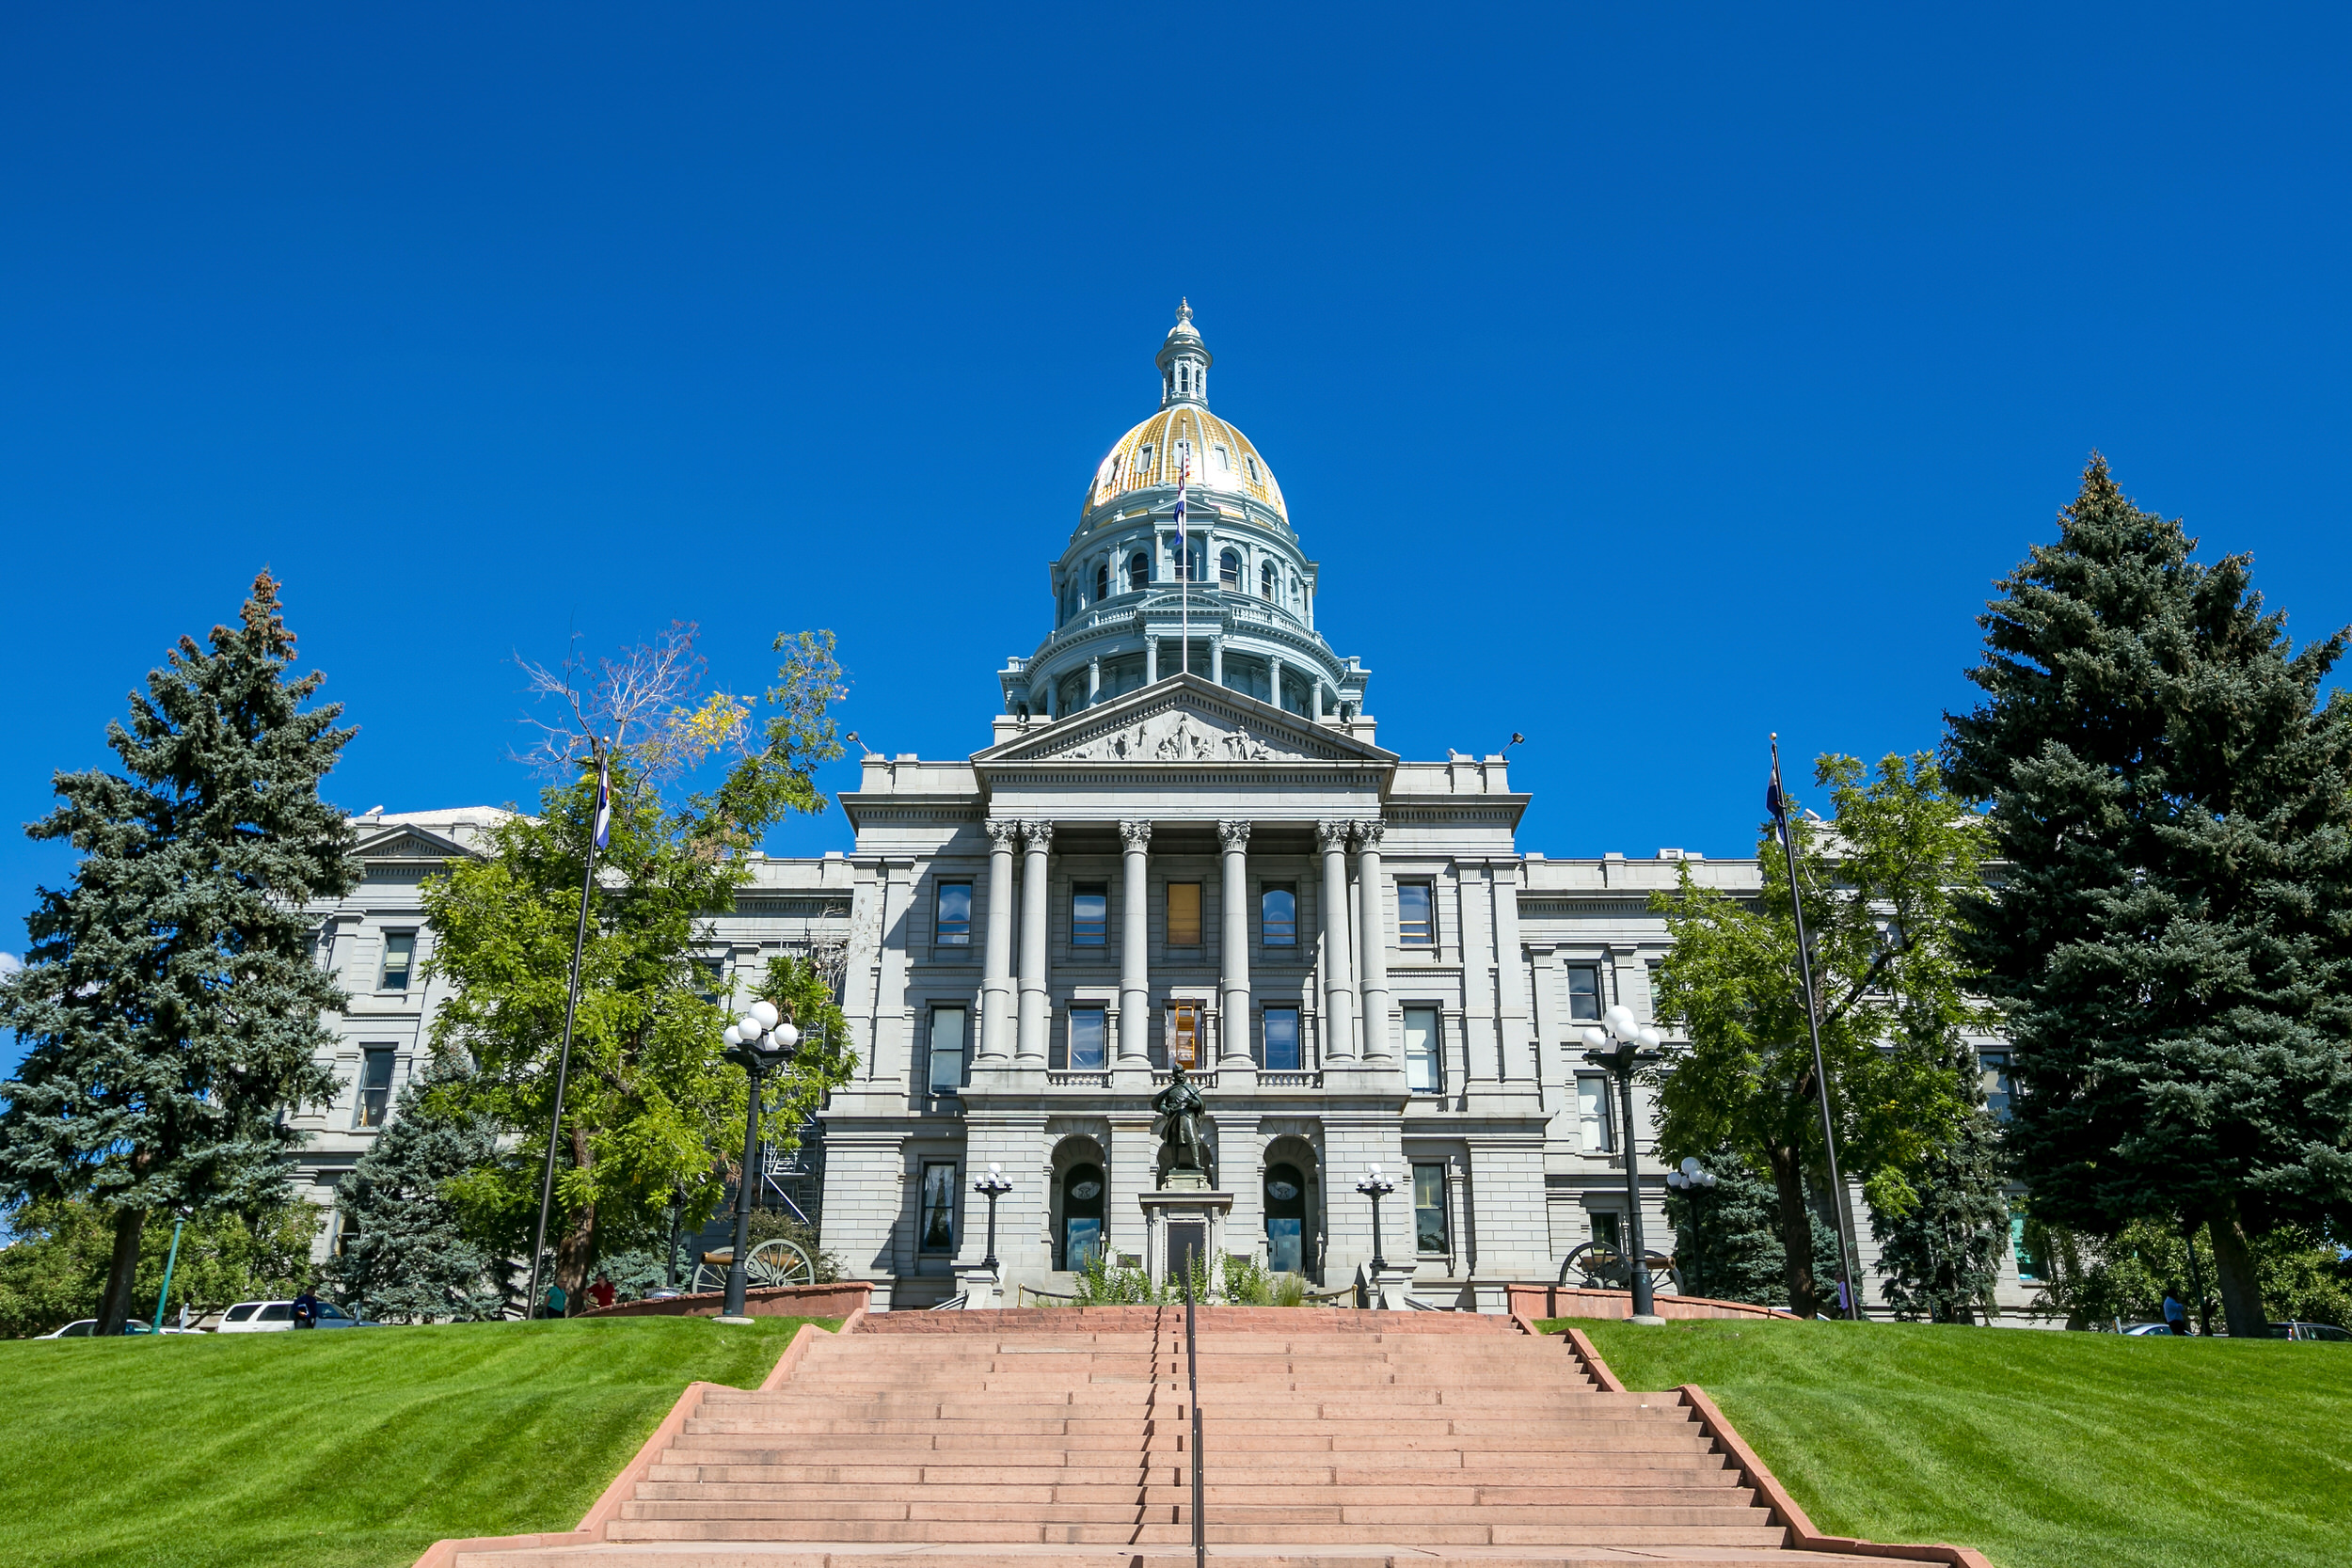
(1727, 1237)
(170, 997)
(1941, 1256)
(2173, 938)
(407, 1256)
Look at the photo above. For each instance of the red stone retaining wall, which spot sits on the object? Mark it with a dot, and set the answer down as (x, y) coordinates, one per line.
(1570, 1301)
(1142, 1320)
(837, 1300)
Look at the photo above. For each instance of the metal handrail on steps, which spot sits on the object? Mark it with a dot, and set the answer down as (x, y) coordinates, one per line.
(1192, 1370)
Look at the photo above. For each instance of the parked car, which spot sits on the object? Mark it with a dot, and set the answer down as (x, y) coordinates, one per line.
(2308, 1331)
(2150, 1328)
(83, 1328)
(268, 1317)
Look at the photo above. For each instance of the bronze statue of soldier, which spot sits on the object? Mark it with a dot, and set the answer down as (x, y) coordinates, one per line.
(1177, 1123)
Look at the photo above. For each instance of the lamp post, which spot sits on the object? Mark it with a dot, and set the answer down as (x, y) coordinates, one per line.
(1375, 1187)
(759, 1044)
(165, 1295)
(1691, 1178)
(991, 1187)
(1636, 1046)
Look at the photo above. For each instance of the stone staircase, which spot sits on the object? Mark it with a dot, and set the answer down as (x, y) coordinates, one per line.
(1339, 1439)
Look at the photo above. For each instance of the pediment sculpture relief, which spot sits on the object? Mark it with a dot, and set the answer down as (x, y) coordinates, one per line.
(1181, 736)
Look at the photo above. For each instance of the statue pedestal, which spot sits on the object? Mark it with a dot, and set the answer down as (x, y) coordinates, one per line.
(1182, 1220)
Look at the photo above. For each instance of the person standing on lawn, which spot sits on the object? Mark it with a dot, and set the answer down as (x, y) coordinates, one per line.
(306, 1309)
(558, 1302)
(2175, 1313)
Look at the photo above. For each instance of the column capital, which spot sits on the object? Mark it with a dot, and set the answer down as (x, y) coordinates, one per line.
(1233, 833)
(1003, 833)
(1367, 833)
(1134, 835)
(1038, 836)
(1331, 834)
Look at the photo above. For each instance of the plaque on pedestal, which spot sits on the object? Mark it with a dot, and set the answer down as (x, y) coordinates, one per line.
(1184, 1220)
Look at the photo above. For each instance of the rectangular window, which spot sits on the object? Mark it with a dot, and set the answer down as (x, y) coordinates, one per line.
(1430, 1209)
(1583, 994)
(946, 1072)
(1089, 1029)
(1415, 925)
(1277, 915)
(1281, 1039)
(1424, 1072)
(375, 1085)
(1592, 1114)
(711, 973)
(953, 927)
(1605, 1232)
(938, 1233)
(1993, 1068)
(1183, 914)
(399, 956)
(1089, 913)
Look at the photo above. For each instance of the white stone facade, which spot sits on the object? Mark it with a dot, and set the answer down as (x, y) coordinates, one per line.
(1110, 864)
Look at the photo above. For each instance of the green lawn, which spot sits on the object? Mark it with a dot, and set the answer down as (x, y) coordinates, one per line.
(2040, 1449)
(352, 1448)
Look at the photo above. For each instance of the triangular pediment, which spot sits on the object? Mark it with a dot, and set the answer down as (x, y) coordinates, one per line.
(1183, 720)
(405, 843)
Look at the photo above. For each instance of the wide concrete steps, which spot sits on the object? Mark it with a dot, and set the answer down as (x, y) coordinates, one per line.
(1065, 1439)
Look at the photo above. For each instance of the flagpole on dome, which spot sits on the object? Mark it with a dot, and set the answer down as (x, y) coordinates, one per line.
(599, 835)
(1184, 563)
(1775, 801)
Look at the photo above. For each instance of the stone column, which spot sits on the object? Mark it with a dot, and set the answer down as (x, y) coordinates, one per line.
(996, 997)
(1338, 1012)
(1379, 1040)
(1037, 840)
(1150, 661)
(1135, 948)
(1217, 661)
(1234, 947)
(1274, 681)
(1094, 679)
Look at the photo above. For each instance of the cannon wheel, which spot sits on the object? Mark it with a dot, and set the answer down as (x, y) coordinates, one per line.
(1603, 1269)
(775, 1262)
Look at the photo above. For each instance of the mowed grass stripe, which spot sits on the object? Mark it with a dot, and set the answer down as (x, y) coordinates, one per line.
(340, 1448)
(2041, 1450)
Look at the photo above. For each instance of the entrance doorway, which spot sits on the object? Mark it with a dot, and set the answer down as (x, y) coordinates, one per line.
(1285, 1219)
(1081, 1216)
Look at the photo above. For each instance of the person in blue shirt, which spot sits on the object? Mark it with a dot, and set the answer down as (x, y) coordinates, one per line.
(306, 1309)
(2175, 1314)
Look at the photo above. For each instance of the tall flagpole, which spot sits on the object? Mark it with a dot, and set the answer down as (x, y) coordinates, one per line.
(1778, 803)
(597, 834)
(1183, 564)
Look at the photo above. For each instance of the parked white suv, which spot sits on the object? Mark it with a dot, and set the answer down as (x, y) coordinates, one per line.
(267, 1316)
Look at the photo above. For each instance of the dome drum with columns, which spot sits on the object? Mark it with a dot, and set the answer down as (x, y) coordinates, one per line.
(1127, 613)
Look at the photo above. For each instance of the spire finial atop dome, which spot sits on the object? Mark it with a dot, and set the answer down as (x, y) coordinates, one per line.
(1184, 361)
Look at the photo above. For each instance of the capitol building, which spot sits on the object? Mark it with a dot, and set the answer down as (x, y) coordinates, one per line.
(1180, 841)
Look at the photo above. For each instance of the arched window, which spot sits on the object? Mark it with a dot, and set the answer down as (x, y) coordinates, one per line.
(1102, 579)
(1229, 571)
(1266, 580)
(1138, 571)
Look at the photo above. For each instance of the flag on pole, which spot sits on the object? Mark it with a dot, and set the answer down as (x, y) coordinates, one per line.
(1184, 555)
(1774, 802)
(604, 805)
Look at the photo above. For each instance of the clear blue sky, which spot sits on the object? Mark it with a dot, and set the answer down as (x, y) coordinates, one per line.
(1643, 384)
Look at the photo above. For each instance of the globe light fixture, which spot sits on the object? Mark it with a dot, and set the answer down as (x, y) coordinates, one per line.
(1375, 1187)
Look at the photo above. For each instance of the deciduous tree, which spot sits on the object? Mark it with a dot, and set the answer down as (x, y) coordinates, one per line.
(1883, 888)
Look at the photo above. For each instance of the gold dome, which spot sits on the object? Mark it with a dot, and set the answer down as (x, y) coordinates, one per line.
(1147, 457)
